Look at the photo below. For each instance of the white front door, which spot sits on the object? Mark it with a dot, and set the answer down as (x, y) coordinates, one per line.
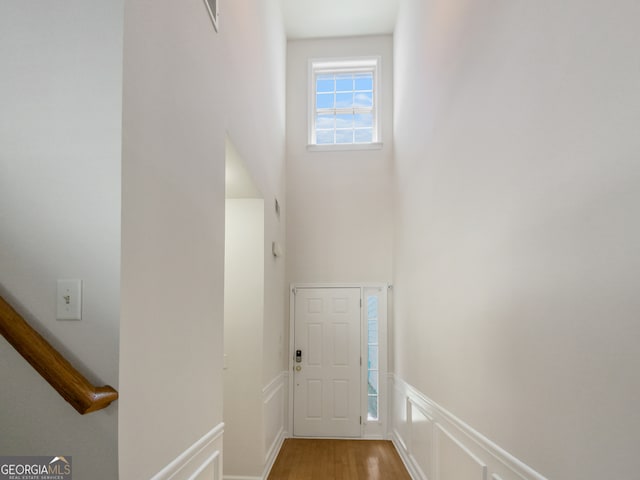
(326, 378)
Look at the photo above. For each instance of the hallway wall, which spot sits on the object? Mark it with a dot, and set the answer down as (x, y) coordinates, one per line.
(255, 79)
(243, 333)
(339, 223)
(60, 142)
(517, 245)
(185, 88)
(172, 234)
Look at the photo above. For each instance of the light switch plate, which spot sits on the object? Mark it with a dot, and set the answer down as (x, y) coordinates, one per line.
(69, 300)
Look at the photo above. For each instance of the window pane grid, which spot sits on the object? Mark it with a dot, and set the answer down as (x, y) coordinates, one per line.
(372, 358)
(339, 95)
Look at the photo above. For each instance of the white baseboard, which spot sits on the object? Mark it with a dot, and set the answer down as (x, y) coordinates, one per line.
(434, 444)
(273, 453)
(202, 460)
(404, 456)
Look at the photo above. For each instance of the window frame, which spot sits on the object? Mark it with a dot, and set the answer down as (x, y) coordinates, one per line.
(354, 65)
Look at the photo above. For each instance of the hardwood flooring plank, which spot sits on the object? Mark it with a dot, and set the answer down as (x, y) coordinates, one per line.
(320, 459)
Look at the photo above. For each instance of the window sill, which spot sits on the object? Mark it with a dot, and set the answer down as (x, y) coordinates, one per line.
(344, 148)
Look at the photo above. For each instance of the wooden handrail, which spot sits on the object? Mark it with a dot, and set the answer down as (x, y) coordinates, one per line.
(53, 367)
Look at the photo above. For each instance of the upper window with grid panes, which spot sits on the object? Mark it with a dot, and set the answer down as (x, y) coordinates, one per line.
(344, 102)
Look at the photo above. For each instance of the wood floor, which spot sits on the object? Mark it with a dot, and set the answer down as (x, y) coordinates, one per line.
(315, 459)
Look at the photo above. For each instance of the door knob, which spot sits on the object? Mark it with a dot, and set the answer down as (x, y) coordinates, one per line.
(298, 368)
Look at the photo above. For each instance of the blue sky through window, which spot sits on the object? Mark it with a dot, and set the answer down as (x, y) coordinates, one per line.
(344, 108)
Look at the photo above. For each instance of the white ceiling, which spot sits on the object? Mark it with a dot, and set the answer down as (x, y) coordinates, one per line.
(338, 18)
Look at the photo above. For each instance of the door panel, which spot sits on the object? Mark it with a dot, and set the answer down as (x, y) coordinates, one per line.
(327, 380)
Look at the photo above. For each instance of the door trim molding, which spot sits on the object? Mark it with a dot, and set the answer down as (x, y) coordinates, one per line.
(383, 392)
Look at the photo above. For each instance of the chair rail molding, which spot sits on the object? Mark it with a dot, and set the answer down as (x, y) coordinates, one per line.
(434, 444)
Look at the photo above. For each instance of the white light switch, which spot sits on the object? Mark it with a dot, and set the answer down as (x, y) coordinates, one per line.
(69, 300)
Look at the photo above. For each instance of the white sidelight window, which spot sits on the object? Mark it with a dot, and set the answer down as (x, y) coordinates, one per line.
(373, 365)
(343, 102)
(374, 348)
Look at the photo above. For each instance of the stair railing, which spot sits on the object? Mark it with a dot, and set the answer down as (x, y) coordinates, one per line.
(53, 367)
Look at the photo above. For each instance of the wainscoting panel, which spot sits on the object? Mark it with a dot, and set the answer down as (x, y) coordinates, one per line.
(455, 461)
(201, 461)
(435, 445)
(421, 439)
(209, 469)
(275, 397)
(400, 418)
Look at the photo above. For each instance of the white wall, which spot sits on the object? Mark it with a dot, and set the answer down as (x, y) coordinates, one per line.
(173, 234)
(185, 87)
(255, 63)
(516, 254)
(339, 203)
(60, 139)
(255, 69)
(243, 333)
